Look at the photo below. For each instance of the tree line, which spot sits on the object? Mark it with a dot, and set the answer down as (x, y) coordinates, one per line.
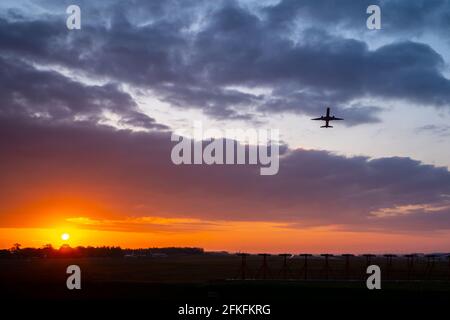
(65, 251)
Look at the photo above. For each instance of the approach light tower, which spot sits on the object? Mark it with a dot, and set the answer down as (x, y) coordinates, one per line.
(368, 257)
(347, 264)
(410, 259)
(327, 264)
(448, 257)
(305, 264)
(389, 264)
(264, 270)
(430, 264)
(285, 272)
(243, 270)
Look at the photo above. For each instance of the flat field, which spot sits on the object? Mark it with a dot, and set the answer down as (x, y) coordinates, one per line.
(170, 282)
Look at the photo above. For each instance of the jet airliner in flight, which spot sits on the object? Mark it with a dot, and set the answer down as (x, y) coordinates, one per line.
(327, 119)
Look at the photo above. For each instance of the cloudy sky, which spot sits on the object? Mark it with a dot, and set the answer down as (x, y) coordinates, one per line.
(86, 118)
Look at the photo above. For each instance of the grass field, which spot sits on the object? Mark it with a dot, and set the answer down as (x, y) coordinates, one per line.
(201, 268)
(206, 279)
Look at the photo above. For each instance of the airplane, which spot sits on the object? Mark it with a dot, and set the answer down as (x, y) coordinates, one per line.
(327, 119)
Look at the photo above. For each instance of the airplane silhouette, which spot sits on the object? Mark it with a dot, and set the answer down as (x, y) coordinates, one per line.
(327, 119)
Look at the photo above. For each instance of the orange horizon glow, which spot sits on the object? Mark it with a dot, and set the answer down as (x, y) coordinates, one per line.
(252, 237)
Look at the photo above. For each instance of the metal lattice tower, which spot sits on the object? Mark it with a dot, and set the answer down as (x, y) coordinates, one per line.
(305, 264)
(410, 259)
(264, 270)
(243, 270)
(285, 271)
(389, 264)
(327, 268)
(368, 257)
(347, 264)
(430, 264)
(448, 257)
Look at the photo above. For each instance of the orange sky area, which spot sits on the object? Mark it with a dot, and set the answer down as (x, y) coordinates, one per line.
(251, 237)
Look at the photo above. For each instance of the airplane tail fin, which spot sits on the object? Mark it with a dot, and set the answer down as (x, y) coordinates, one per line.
(326, 126)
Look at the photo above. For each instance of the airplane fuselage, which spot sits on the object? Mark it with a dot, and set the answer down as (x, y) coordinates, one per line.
(327, 118)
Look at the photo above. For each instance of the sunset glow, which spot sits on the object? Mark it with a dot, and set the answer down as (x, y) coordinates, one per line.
(90, 120)
(234, 236)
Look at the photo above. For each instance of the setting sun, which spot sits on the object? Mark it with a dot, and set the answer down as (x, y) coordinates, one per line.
(65, 236)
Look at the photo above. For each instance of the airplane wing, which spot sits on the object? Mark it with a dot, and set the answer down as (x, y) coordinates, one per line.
(334, 118)
(321, 118)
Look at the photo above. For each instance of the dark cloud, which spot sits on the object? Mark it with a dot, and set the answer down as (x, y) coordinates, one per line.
(217, 102)
(199, 57)
(45, 165)
(190, 55)
(398, 17)
(26, 92)
(439, 130)
(324, 70)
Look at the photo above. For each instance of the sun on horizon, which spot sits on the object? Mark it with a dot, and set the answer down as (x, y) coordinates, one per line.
(65, 236)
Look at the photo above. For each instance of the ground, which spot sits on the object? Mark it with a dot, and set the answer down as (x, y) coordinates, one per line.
(164, 284)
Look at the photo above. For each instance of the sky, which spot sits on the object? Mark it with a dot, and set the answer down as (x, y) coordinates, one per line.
(86, 118)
